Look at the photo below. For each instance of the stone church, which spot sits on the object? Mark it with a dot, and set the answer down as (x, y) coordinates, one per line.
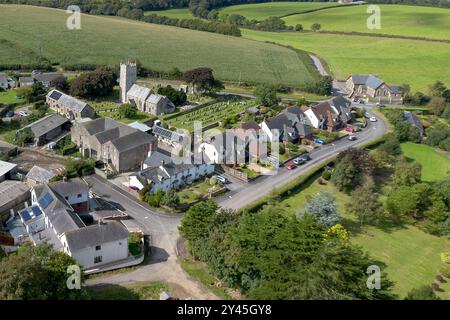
(142, 97)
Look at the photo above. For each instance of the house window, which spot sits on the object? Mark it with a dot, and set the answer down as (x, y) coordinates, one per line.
(67, 198)
(97, 248)
(98, 259)
(79, 195)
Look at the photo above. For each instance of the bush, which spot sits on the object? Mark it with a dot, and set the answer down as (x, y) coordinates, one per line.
(326, 175)
(444, 269)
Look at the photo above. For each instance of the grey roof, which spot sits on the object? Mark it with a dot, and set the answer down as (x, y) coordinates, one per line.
(343, 107)
(6, 167)
(368, 80)
(71, 187)
(156, 174)
(167, 134)
(156, 157)
(99, 125)
(68, 101)
(139, 92)
(413, 120)
(39, 174)
(140, 126)
(10, 190)
(26, 79)
(95, 235)
(132, 140)
(395, 89)
(291, 122)
(47, 78)
(6, 147)
(47, 124)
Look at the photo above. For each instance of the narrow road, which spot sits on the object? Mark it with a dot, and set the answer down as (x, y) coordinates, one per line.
(319, 65)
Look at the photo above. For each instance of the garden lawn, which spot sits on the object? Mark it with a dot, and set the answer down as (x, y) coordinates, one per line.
(411, 256)
(109, 40)
(261, 11)
(183, 13)
(435, 164)
(396, 61)
(9, 97)
(136, 291)
(413, 21)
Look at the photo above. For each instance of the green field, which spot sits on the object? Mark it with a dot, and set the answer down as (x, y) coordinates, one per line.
(411, 255)
(184, 13)
(9, 97)
(401, 20)
(261, 11)
(435, 165)
(396, 61)
(108, 40)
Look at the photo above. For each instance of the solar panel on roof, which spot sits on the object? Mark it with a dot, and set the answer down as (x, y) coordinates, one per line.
(55, 95)
(45, 201)
(25, 215)
(36, 211)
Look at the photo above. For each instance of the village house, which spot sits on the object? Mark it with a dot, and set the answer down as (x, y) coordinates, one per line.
(330, 115)
(52, 219)
(161, 173)
(413, 120)
(373, 87)
(13, 195)
(120, 147)
(6, 82)
(68, 106)
(6, 169)
(142, 97)
(48, 128)
(168, 137)
(47, 79)
(38, 175)
(290, 125)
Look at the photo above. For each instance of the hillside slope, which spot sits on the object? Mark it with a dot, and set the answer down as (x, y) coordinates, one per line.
(27, 32)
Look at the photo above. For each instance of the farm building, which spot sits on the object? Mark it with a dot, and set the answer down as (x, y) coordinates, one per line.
(6, 169)
(68, 106)
(47, 79)
(48, 128)
(38, 175)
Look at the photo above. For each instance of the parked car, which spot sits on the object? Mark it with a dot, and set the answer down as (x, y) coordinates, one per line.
(373, 119)
(319, 141)
(23, 113)
(352, 137)
(305, 157)
(10, 114)
(299, 161)
(290, 165)
(221, 179)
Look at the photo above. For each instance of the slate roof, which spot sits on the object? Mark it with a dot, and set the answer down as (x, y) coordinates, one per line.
(47, 124)
(132, 140)
(156, 157)
(140, 126)
(68, 101)
(6, 167)
(395, 89)
(47, 78)
(71, 187)
(156, 174)
(139, 92)
(25, 79)
(10, 190)
(39, 174)
(6, 147)
(291, 123)
(367, 80)
(335, 109)
(95, 235)
(413, 120)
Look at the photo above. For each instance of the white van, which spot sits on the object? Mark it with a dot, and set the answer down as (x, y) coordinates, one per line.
(221, 179)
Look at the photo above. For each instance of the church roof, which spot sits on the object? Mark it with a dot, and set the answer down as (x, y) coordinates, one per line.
(139, 92)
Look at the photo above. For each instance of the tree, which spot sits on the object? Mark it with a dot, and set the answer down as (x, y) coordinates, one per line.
(170, 199)
(298, 27)
(127, 111)
(437, 105)
(202, 79)
(267, 95)
(92, 84)
(438, 216)
(315, 27)
(323, 207)
(391, 146)
(176, 96)
(408, 201)
(351, 166)
(437, 89)
(422, 293)
(23, 136)
(364, 203)
(407, 173)
(37, 273)
(199, 220)
(61, 84)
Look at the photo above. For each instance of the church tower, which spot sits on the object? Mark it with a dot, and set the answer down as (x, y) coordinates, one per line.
(128, 76)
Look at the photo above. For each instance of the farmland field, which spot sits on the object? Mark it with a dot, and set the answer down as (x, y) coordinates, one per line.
(184, 13)
(210, 114)
(402, 20)
(261, 11)
(108, 40)
(435, 165)
(396, 61)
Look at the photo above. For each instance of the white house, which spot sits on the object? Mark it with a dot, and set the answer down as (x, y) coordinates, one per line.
(167, 175)
(331, 114)
(97, 244)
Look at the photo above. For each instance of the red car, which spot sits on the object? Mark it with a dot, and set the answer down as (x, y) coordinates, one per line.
(290, 165)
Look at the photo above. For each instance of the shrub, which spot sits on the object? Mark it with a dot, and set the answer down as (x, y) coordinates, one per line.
(444, 269)
(326, 175)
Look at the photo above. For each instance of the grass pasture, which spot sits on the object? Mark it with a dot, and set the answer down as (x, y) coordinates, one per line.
(413, 21)
(435, 165)
(9, 97)
(183, 13)
(109, 40)
(261, 11)
(396, 61)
